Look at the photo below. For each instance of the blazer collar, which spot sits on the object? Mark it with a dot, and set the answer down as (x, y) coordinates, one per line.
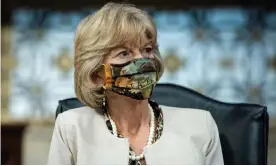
(171, 148)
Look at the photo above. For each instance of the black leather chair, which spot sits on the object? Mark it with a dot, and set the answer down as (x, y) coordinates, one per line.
(243, 128)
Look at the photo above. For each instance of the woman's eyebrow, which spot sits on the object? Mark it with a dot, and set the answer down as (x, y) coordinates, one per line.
(148, 43)
(119, 48)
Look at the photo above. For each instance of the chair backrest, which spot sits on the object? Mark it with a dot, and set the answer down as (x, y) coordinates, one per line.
(243, 128)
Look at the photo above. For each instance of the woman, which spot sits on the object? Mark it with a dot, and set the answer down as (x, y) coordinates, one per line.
(117, 65)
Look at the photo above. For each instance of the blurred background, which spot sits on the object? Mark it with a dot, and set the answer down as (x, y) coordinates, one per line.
(226, 50)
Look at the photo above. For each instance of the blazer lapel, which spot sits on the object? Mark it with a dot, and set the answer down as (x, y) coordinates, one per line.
(109, 149)
(172, 148)
(115, 152)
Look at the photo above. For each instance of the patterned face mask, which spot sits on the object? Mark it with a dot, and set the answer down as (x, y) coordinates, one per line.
(135, 79)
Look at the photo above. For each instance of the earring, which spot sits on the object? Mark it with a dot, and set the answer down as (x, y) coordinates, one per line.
(104, 100)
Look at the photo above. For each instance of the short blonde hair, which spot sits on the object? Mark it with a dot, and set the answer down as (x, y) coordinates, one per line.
(112, 26)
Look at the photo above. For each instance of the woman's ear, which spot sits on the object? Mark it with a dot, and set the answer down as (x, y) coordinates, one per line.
(97, 78)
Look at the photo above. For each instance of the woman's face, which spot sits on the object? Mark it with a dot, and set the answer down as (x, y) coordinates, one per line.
(127, 53)
(124, 54)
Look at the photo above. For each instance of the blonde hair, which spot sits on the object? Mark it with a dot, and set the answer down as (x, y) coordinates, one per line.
(112, 26)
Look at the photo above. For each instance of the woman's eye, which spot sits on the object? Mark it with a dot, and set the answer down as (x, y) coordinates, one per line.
(123, 53)
(148, 50)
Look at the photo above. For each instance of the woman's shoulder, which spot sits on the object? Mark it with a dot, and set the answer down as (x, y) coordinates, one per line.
(78, 115)
(194, 122)
(198, 126)
(186, 113)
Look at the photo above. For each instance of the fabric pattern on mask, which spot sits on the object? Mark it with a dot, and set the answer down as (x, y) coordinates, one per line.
(135, 79)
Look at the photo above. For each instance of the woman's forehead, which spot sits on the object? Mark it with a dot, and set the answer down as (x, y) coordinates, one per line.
(136, 44)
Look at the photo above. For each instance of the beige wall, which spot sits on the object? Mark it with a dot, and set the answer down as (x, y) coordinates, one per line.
(272, 143)
(36, 144)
